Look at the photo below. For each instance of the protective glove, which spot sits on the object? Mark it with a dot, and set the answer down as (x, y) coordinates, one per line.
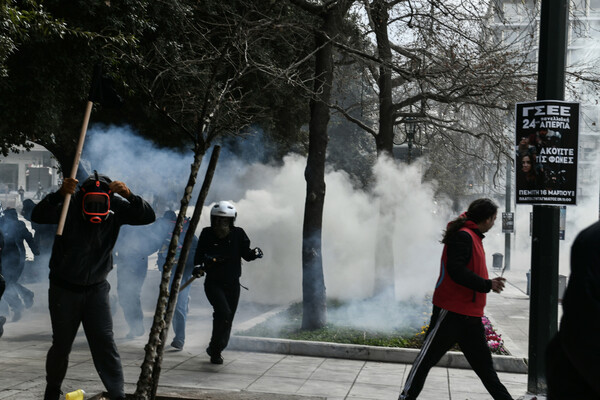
(198, 271)
(258, 253)
(68, 186)
(120, 188)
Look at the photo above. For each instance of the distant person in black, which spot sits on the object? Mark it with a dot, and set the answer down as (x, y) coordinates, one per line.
(21, 192)
(573, 368)
(2, 285)
(220, 250)
(13, 260)
(43, 238)
(181, 307)
(80, 262)
(132, 249)
(40, 191)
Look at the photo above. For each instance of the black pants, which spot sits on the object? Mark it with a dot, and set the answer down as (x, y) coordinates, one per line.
(131, 274)
(89, 306)
(224, 299)
(2, 285)
(446, 329)
(12, 296)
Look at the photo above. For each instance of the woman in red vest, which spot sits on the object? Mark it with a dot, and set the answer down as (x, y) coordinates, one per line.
(458, 302)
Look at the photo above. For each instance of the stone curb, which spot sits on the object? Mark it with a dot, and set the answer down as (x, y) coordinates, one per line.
(451, 359)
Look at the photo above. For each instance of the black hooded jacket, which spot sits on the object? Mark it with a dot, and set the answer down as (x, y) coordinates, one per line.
(222, 257)
(82, 256)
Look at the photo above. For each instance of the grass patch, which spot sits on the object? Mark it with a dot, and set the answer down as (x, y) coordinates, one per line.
(371, 323)
(397, 325)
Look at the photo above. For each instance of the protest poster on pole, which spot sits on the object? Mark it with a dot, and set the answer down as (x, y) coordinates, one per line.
(547, 138)
(508, 222)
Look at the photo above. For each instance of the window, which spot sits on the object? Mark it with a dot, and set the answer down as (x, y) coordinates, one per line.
(578, 7)
(594, 7)
(515, 12)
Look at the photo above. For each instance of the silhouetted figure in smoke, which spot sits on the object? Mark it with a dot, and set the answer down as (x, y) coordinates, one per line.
(572, 355)
(13, 260)
(220, 250)
(181, 307)
(132, 249)
(2, 285)
(80, 262)
(40, 191)
(458, 302)
(43, 237)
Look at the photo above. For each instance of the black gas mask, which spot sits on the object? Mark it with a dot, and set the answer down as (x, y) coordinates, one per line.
(95, 202)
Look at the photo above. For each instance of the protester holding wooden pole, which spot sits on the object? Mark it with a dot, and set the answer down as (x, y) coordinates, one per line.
(82, 258)
(80, 262)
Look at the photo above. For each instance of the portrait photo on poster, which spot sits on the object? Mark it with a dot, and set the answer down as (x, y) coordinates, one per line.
(546, 151)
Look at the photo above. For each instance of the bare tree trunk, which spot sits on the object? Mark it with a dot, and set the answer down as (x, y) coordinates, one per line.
(185, 249)
(313, 282)
(384, 252)
(148, 380)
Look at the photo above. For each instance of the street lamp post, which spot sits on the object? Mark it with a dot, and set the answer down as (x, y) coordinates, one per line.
(410, 128)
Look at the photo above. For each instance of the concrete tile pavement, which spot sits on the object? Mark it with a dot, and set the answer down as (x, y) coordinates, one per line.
(25, 343)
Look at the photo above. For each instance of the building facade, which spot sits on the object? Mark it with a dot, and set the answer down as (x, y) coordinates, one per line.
(36, 171)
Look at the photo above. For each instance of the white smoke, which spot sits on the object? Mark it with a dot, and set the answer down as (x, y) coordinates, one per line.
(270, 203)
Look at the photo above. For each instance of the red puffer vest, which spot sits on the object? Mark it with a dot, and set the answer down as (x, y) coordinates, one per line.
(451, 296)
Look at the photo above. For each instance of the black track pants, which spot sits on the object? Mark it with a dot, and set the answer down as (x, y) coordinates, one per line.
(90, 307)
(445, 329)
(224, 298)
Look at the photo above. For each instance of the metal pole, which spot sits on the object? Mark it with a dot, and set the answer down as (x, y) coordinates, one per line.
(543, 314)
(507, 206)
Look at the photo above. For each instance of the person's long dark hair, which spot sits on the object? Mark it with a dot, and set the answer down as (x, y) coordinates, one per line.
(479, 210)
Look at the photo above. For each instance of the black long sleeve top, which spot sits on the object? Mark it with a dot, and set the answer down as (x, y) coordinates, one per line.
(222, 257)
(459, 251)
(82, 256)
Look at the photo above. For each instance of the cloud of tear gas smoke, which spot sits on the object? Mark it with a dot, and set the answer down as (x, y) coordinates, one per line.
(270, 204)
(149, 171)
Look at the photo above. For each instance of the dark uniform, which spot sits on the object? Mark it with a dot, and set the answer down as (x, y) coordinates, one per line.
(223, 266)
(79, 292)
(44, 239)
(2, 285)
(167, 224)
(13, 258)
(134, 246)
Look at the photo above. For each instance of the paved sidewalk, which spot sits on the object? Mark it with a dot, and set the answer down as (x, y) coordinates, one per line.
(249, 375)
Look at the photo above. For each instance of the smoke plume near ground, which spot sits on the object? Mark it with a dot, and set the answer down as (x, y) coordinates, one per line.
(270, 203)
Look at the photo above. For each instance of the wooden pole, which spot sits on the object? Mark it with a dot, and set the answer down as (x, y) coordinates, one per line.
(86, 120)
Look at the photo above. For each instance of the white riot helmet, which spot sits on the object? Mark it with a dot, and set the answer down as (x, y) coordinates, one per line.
(223, 209)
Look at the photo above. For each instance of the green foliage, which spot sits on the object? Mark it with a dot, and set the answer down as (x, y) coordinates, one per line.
(47, 54)
(177, 64)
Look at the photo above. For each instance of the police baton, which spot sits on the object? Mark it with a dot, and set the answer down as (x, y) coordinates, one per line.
(188, 283)
(195, 276)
